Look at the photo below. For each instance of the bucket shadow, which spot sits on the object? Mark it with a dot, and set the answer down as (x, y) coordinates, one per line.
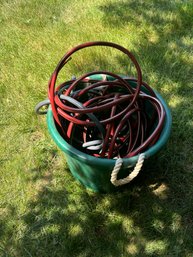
(151, 216)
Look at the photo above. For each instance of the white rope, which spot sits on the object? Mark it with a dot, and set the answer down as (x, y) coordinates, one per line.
(131, 176)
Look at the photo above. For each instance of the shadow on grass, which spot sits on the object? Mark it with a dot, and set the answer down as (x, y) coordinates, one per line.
(153, 217)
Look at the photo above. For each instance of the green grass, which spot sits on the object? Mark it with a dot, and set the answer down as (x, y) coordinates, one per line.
(43, 210)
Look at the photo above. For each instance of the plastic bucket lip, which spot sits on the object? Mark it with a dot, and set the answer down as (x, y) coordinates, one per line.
(85, 158)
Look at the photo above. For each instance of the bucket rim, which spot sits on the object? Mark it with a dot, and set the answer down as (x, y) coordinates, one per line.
(75, 153)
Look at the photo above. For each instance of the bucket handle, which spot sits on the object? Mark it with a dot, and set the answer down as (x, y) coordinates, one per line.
(41, 104)
(119, 182)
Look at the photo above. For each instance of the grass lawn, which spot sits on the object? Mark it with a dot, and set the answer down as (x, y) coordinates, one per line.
(43, 210)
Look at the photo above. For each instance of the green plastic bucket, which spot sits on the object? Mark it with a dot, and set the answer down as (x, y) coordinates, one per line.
(95, 173)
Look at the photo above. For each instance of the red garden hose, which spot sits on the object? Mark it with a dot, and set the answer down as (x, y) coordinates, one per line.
(109, 118)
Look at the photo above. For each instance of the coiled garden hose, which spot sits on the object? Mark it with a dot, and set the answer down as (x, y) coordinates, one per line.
(112, 117)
